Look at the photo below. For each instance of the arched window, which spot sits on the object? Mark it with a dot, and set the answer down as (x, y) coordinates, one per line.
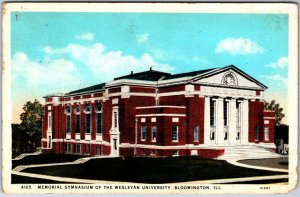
(68, 110)
(77, 110)
(87, 111)
(68, 119)
(98, 109)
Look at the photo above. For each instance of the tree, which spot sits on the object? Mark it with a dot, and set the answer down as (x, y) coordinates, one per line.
(277, 109)
(31, 124)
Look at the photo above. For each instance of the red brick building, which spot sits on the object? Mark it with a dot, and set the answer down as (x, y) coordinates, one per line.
(155, 113)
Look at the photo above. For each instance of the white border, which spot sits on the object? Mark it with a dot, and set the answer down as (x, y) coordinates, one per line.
(279, 8)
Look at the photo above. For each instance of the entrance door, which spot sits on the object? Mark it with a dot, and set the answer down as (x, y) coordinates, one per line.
(115, 145)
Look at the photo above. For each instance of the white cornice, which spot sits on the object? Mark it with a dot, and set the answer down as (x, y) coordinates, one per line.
(160, 106)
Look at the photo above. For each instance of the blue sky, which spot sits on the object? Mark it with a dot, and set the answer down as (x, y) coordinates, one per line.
(60, 52)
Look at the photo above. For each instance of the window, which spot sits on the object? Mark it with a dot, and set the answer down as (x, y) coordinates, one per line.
(49, 141)
(77, 123)
(77, 109)
(68, 110)
(238, 135)
(88, 123)
(99, 123)
(212, 135)
(115, 119)
(196, 133)
(225, 113)
(226, 135)
(238, 114)
(174, 133)
(68, 129)
(153, 152)
(175, 153)
(50, 121)
(257, 133)
(67, 148)
(143, 133)
(98, 109)
(77, 148)
(153, 131)
(143, 152)
(212, 113)
(267, 133)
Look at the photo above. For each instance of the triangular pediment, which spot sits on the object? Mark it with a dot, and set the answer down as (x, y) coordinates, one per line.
(229, 76)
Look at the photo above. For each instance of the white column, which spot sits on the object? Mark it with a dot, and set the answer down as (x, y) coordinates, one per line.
(232, 122)
(206, 121)
(219, 122)
(245, 122)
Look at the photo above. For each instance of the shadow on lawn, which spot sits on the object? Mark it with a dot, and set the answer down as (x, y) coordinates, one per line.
(151, 170)
(44, 158)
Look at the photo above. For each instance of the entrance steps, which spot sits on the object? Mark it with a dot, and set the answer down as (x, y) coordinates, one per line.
(247, 152)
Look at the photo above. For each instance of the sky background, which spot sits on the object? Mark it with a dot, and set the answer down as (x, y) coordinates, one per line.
(60, 52)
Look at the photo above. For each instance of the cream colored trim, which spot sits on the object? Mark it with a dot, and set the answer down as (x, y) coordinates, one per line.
(159, 106)
(82, 141)
(147, 115)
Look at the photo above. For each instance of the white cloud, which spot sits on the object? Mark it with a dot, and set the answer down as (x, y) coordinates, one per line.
(238, 46)
(277, 77)
(107, 64)
(281, 63)
(85, 36)
(43, 74)
(142, 38)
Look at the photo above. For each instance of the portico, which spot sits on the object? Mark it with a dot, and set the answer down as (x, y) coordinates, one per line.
(226, 121)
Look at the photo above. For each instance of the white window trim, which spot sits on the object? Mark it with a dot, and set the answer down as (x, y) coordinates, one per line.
(177, 133)
(198, 133)
(143, 126)
(153, 140)
(268, 136)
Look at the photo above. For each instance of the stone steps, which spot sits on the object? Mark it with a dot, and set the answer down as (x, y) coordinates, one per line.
(247, 152)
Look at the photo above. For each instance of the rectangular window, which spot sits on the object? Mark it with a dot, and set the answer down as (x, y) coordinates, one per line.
(212, 135)
(175, 153)
(49, 121)
(212, 113)
(196, 133)
(174, 133)
(88, 123)
(154, 132)
(68, 148)
(225, 113)
(78, 123)
(267, 133)
(77, 148)
(238, 114)
(115, 119)
(49, 141)
(143, 133)
(99, 123)
(68, 129)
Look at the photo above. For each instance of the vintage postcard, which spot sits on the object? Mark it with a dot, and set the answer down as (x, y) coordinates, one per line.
(182, 98)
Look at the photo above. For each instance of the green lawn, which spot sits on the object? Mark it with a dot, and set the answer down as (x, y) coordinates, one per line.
(45, 158)
(151, 170)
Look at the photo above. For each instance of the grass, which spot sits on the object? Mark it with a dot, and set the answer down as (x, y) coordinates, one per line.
(281, 162)
(151, 170)
(45, 158)
(16, 179)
